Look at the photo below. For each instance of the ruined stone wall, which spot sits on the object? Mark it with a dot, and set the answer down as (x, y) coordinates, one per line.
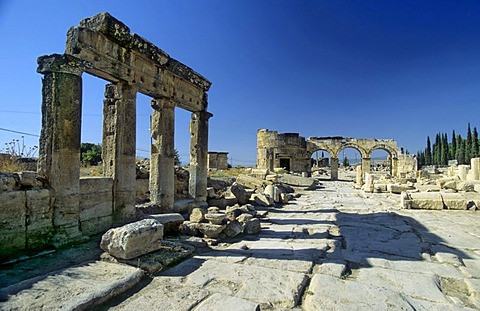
(218, 160)
(285, 150)
(407, 164)
(28, 215)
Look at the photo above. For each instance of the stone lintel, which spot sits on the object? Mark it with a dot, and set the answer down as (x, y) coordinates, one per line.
(62, 63)
(118, 32)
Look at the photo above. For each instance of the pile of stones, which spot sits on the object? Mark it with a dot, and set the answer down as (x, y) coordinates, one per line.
(214, 224)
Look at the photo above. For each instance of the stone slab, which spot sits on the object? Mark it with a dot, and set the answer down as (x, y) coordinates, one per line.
(76, 288)
(221, 302)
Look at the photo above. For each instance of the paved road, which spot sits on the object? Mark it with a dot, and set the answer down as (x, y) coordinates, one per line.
(334, 248)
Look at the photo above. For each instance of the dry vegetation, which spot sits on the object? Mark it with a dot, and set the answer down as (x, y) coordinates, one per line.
(9, 165)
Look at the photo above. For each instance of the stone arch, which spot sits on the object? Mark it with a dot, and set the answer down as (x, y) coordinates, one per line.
(361, 150)
(393, 152)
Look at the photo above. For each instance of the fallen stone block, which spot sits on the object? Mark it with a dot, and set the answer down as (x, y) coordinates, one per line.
(233, 228)
(222, 202)
(171, 222)
(442, 181)
(216, 218)
(29, 179)
(7, 182)
(240, 193)
(220, 302)
(422, 200)
(190, 228)
(197, 215)
(209, 230)
(398, 188)
(251, 182)
(134, 239)
(252, 226)
(262, 199)
(298, 181)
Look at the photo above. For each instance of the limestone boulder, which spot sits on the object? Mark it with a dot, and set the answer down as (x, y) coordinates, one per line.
(233, 228)
(262, 199)
(210, 230)
(134, 239)
(398, 188)
(232, 212)
(190, 228)
(240, 193)
(223, 202)
(422, 200)
(197, 215)
(252, 226)
(298, 181)
(251, 182)
(216, 218)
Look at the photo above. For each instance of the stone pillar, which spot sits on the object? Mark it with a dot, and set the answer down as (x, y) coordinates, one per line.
(198, 155)
(59, 156)
(359, 177)
(365, 166)
(118, 148)
(162, 154)
(394, 166)
(334, 168)
(475, 168)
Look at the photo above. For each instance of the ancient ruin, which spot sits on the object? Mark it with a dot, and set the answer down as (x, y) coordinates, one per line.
(71, 207)
(293, 152)
(269, 238)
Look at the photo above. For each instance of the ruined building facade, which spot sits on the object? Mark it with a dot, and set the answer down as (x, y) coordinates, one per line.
(293, 152)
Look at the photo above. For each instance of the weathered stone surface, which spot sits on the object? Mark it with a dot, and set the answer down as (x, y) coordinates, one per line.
(252, 226)
(209, 230)
(216, 218)
(233, 228)
(171, 222)
(75, 288)
(7, 182)
(12, 222)
(251, 182)
(163, 293)
(422, 200)
(297, 181)
(134, 239)
(29, 179)
(262, 199)
(223, 202)
(244, 218)
(239, 192)
(95, 198)
(197, 215)
(221, 302)
(360, 296)
(397, 188)
(190, 228)
(39, 218)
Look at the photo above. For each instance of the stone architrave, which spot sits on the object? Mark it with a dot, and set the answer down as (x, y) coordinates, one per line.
(162, 153)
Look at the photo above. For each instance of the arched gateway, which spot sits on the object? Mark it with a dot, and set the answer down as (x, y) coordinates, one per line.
(292, 151)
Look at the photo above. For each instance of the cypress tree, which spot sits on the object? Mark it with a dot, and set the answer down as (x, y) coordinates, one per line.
(463, 147)
(437, 150)
(459, 146)
(453, 149)
(428, 152)
(444, 149)
(475, 151)
(468, 147)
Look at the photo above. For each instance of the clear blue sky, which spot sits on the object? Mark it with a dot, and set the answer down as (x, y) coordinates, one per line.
(395, 69)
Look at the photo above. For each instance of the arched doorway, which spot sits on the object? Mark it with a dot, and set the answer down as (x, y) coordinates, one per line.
(320, 162)
(348, 159)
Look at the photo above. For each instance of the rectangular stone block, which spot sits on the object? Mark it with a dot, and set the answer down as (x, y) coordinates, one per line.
(96, 225)
(96, 198)
(134, 239)
(39, 218)
(12, 222)
(430, 200)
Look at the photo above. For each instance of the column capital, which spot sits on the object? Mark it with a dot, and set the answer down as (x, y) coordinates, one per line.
(63, 63)
(204, 115)
(163, 102)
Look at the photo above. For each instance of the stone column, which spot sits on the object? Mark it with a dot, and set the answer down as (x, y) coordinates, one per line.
(394, 166)
(475, 168)
(162, 154)
(359, 177)
(59, 156)
(334, 168)
(365, 166)
(198, 155)
(118, 148)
